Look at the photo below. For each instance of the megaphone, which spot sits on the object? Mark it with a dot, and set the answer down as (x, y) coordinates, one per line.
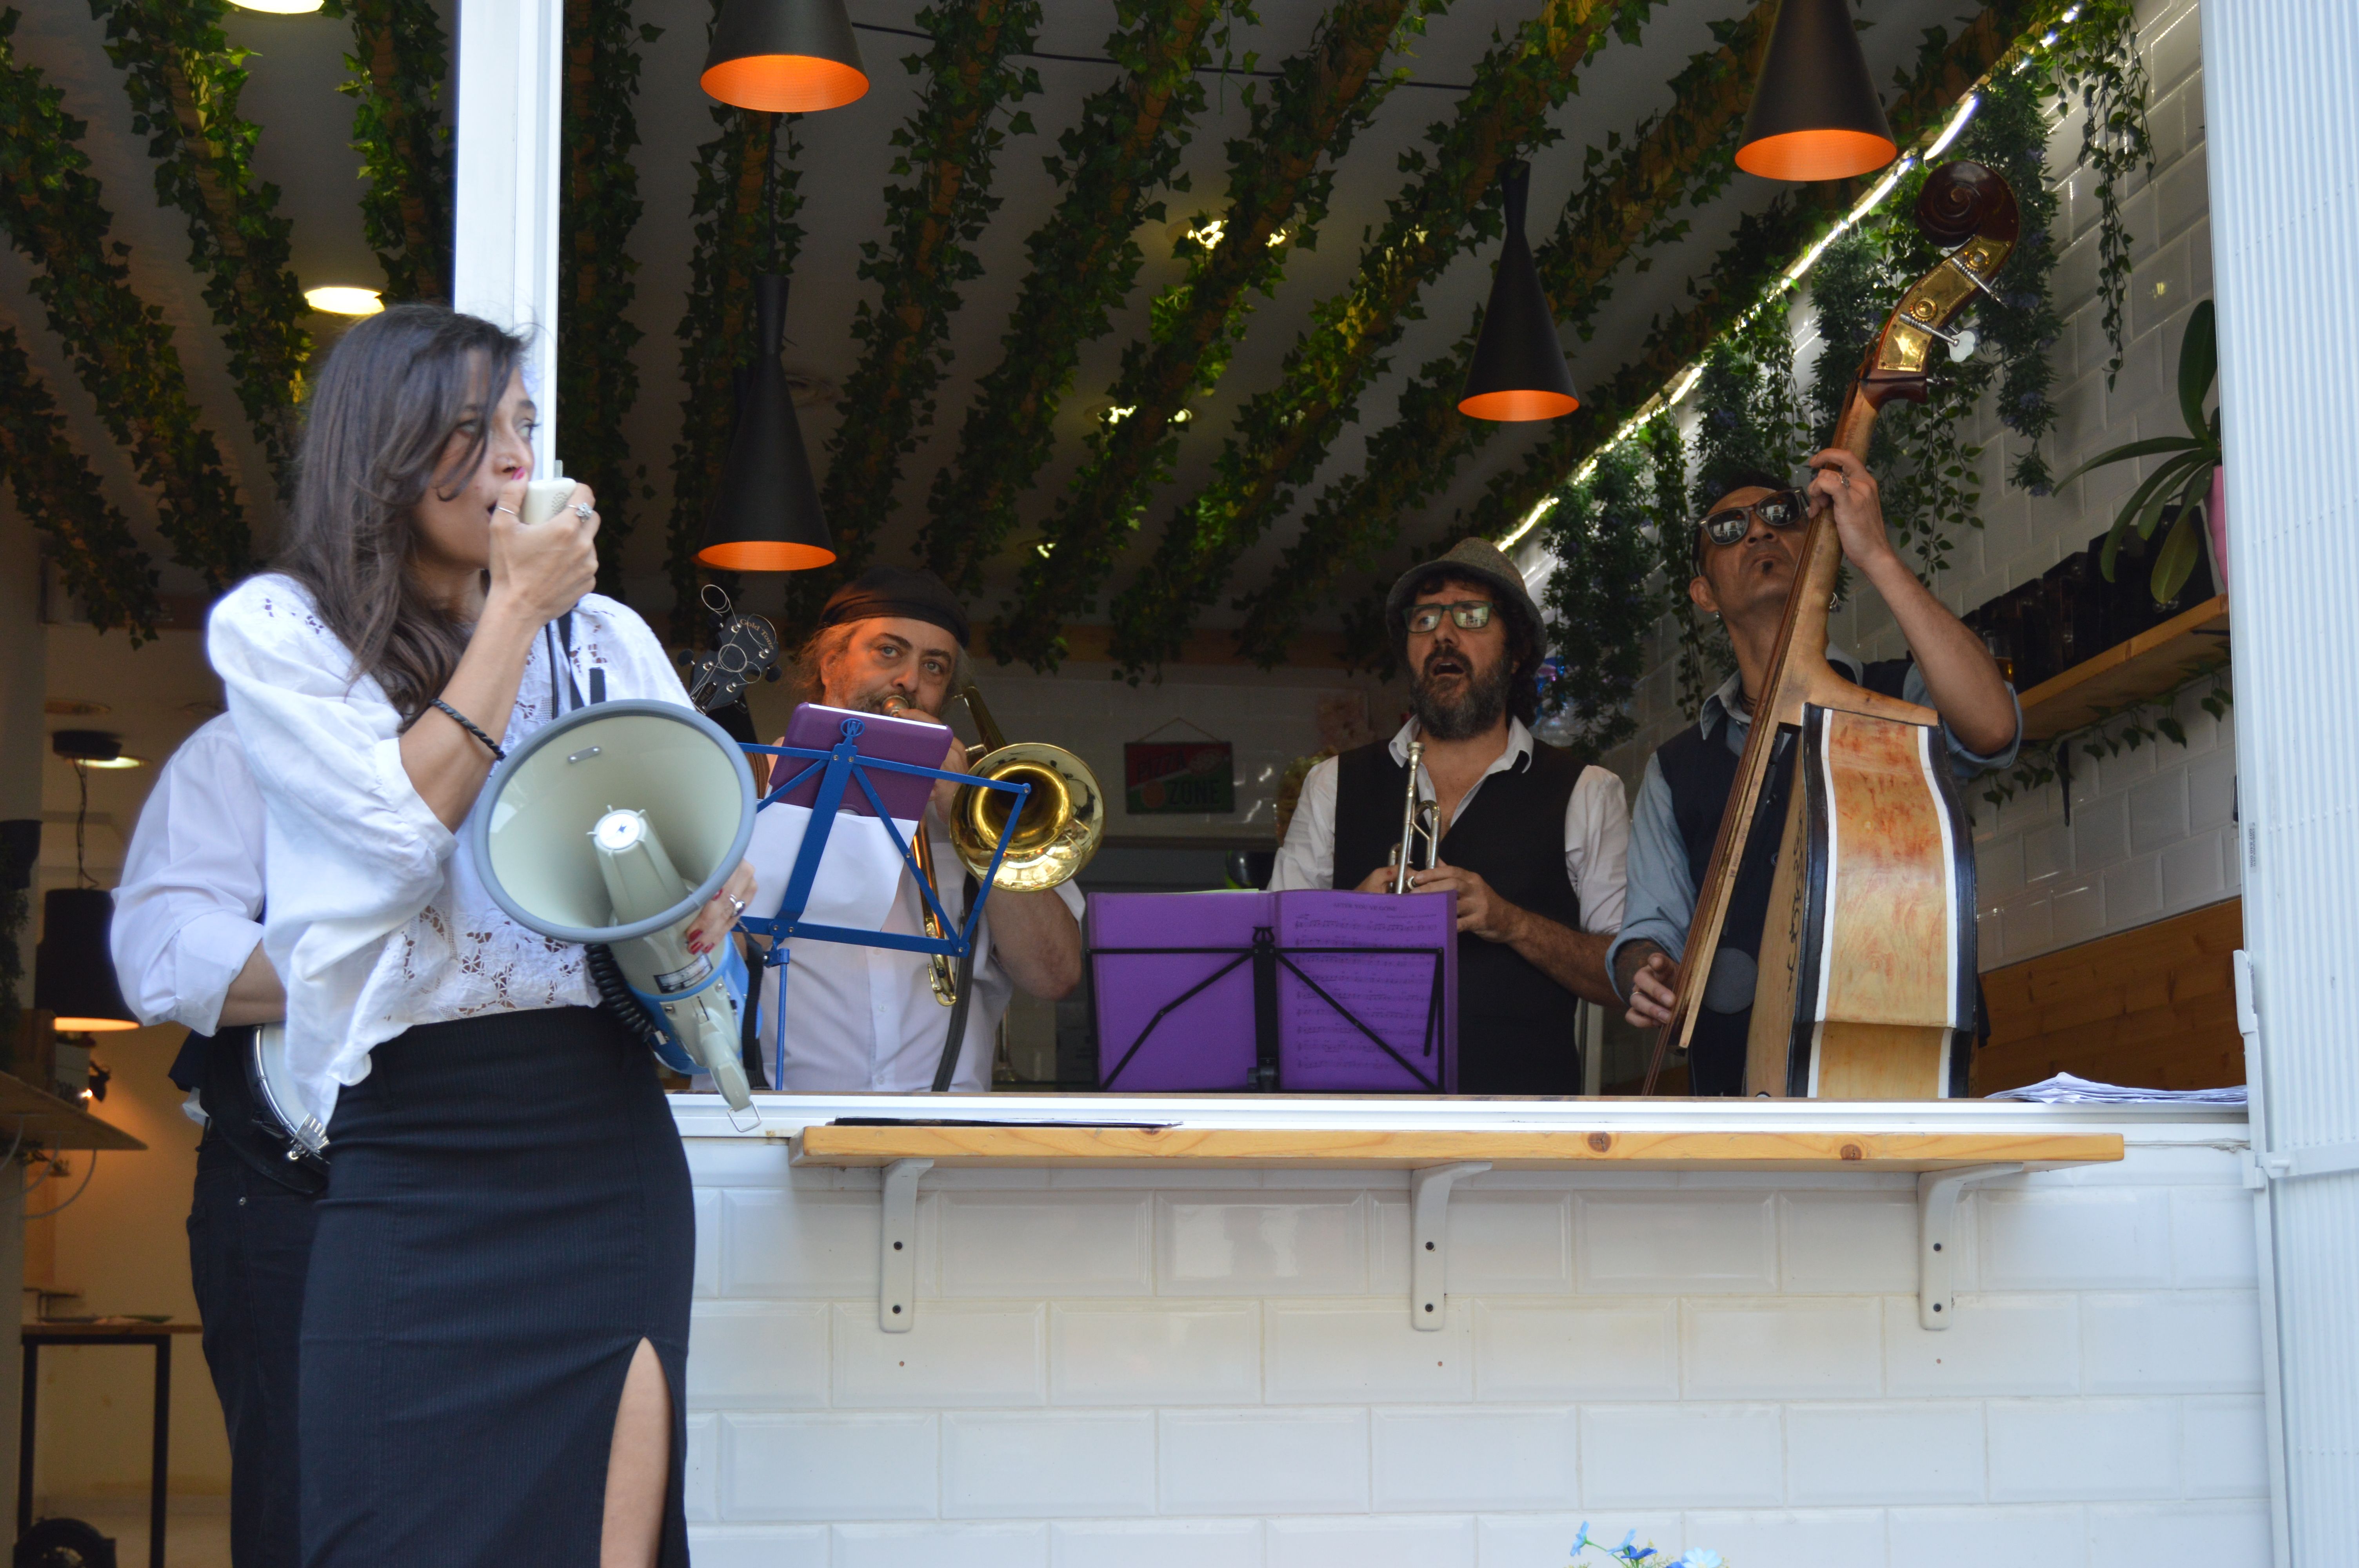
(614, 825)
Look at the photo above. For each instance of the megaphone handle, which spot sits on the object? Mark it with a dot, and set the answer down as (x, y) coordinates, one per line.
(956, 1040)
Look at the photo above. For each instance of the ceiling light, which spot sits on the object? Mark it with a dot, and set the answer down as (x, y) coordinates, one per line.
(339, 301)
(91, 749)
(784, 57)
(1207, 232)
(278, 7)
(73, 972)
(765, 513)
(1519, 371)
(1815, 114)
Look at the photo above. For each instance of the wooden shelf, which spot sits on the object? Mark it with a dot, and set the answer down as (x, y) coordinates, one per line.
(45, 1121)
(1179, 1148)
(2147, 665)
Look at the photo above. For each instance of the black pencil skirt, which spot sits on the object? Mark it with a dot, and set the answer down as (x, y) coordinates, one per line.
(507, 1215)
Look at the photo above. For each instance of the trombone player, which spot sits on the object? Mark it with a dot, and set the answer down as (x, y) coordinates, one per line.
(894, 640)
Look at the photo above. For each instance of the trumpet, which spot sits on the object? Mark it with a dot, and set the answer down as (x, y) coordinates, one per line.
(1062, 823)
(1417, 823)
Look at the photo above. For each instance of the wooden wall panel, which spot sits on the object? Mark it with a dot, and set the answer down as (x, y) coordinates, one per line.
(2153, 1007)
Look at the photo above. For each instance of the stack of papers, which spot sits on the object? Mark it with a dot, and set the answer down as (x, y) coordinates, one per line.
(2066, 1089)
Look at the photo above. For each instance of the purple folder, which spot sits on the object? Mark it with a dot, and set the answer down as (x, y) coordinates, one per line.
(917, 741)
(1205, 1036)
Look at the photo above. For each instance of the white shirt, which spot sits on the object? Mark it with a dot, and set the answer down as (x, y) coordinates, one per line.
(1596, 828)
(866, 1018)
(189, 911)
(378, 919)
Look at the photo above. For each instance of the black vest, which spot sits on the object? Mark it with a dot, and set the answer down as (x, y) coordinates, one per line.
(1515, 1024)
(1701, 771)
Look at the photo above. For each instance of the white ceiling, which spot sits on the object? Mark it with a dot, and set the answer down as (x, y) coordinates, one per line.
(846, 154)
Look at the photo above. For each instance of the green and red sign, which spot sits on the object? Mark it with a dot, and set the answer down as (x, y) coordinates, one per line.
(1192, 776)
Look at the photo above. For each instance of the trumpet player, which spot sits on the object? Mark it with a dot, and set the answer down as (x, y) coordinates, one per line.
(1532, 843)
(894, 640)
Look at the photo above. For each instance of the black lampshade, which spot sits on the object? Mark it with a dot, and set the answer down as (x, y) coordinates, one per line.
(1815, 114)
(766, 515)
(1519, 371)
(784, 57)
(74, 972)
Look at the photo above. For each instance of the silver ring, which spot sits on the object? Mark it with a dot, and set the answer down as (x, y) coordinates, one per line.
(734, 899)
(511, 511)
(581, 511)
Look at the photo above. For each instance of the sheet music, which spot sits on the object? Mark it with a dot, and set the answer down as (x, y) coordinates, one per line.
(1392, 993)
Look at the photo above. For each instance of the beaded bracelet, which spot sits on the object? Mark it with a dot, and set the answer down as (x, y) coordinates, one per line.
(463, 722)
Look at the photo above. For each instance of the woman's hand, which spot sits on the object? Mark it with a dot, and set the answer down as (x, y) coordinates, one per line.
(715, 919)
(543, 569)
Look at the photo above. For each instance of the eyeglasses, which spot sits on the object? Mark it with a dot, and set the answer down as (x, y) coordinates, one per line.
(1467, 614)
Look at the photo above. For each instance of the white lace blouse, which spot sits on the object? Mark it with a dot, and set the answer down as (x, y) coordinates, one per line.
(375, 914)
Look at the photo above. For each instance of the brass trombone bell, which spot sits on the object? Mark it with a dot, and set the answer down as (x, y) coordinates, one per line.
(1064, 817)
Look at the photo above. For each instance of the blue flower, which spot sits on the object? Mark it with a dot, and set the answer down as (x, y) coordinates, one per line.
(1581, 1542)
(1698, 1557)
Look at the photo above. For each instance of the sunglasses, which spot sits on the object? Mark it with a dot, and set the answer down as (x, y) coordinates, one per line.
(1467, 614)
(1785, 509)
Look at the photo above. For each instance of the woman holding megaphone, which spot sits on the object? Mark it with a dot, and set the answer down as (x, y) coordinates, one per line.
(495, 1326)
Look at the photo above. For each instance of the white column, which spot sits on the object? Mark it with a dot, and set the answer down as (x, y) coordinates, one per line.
(2284, 148)
(511, 67)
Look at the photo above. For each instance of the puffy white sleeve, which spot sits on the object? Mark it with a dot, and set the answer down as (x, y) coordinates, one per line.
(352, 850)
(188, 909)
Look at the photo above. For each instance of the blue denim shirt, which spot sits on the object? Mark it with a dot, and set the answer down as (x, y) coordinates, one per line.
(1661, 894)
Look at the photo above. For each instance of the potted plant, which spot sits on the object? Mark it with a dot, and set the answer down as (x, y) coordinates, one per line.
(2186, 486)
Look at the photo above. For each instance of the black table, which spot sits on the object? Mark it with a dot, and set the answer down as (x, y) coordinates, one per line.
(160, 1336)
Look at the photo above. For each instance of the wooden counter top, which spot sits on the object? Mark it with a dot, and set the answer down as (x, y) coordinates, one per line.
(1178, 1148)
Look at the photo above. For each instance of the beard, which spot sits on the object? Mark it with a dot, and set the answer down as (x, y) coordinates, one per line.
(1477, 701)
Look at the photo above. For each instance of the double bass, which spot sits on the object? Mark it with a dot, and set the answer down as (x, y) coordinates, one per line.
(1866, 986)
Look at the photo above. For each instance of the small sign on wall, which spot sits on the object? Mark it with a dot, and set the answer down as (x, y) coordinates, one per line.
(1196, 777)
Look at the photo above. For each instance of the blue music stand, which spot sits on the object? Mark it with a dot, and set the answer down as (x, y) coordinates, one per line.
(845, 767)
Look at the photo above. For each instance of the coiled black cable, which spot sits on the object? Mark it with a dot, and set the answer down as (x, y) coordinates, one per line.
(614, 992)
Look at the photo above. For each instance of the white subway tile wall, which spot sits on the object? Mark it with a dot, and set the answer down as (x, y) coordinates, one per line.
(1728, 1366)
(2150, 831)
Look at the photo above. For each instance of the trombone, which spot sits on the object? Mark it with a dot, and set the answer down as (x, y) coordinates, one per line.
(1063, 819)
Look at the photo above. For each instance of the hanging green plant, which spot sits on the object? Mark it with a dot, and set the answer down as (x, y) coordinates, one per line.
(597, 382)
(944, 170)
(742, 216)
(1281, 436)
(2184, 478)
(1281, 176)
(1677, 157)
(103, 566)
(2094, 61)
(1603, 596)
(393, 76)
(122, 348)
(183, 78)
(1124, 149)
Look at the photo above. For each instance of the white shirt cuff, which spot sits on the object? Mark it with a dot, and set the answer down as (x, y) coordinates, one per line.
(207, 954)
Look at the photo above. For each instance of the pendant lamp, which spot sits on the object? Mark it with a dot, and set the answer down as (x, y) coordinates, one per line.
(766, 515)
(1519, 371)
(73, 969)
(784, 57)
(1815, 114)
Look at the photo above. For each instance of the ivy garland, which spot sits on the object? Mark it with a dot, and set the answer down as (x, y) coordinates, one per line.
(1281, 173)
(948, 156)
(737, 237)
(1282, 435)
(183, 78)
(597, 382)
(103, 566)
(2151, 719)
(2094, 59)
(122, 348)
(395, 78)
(1678, 155)
(1126, 146)
(1600, 599)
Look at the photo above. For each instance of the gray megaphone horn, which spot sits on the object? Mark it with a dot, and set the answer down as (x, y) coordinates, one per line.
(613, 826)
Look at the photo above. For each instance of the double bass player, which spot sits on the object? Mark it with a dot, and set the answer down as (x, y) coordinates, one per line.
(1745, 554)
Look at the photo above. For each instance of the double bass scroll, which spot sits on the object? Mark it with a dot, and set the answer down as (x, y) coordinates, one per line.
(1866, 969)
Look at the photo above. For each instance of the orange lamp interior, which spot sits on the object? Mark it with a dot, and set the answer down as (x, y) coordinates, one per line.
(1518, 405)
(765, 555)
(784, 83)
(1816, 155)
(91, 1025)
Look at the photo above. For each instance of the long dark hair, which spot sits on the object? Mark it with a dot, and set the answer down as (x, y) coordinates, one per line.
(380, 414)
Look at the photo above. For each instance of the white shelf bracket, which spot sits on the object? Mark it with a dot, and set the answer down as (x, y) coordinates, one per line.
(896, 1273)
(1937, 1237)
(1428, 1223)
